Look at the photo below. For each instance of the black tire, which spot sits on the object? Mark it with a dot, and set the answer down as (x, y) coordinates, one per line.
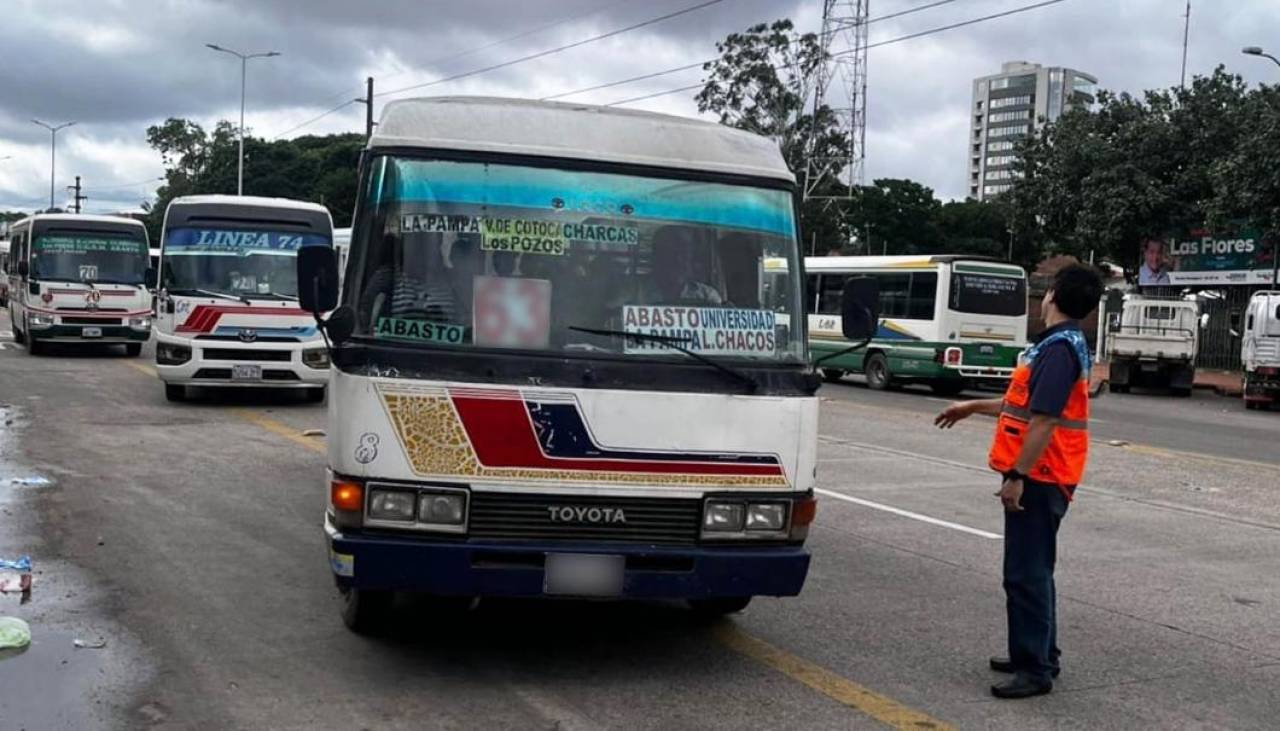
(19, 337)
(365, 611)
(1118, 387)
(315, 395)
(1252, 406)
(34, 347)
(133, 350)
(947, 387)
(876, 370)
(718, 607)
(832, 375)
(1180, 392)
(175, 393)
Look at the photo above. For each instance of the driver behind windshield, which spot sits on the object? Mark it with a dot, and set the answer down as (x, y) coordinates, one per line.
(675, 279)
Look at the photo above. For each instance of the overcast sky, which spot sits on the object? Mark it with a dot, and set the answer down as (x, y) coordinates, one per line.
(117, 66)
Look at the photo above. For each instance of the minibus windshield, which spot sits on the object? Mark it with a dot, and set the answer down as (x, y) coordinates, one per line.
(239, 263)
(475, 254)
(89, 256)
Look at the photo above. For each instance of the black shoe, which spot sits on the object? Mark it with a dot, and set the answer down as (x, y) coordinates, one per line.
(1021, 686)
(1005, 665)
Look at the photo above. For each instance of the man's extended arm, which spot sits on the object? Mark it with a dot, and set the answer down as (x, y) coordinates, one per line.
(964, 409)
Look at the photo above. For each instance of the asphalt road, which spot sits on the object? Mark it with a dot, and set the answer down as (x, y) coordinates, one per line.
(188, 538)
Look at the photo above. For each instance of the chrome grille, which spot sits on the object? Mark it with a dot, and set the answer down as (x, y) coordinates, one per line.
(648, 520)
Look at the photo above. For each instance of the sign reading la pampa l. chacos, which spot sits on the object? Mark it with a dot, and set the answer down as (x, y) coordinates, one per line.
(1200, 256)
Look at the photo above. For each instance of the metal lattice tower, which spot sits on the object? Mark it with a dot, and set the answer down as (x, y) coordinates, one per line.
(841, 84)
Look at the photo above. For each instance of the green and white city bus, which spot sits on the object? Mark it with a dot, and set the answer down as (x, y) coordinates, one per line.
(948, 321)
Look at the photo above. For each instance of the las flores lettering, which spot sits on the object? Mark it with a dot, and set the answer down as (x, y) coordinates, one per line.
(1211, 246)
(520, 235)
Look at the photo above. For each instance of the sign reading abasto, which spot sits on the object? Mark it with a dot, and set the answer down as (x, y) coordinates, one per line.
(708, 330)
(1201, 257)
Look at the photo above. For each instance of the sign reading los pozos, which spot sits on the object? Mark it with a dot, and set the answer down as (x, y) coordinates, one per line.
(707, 330)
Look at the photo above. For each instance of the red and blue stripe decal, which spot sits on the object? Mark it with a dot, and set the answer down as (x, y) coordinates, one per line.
(508, 431)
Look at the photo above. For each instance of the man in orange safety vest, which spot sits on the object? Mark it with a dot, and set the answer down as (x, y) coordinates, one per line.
(1040, 446)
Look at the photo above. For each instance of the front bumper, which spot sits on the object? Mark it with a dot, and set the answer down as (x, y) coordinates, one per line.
(111, 334)
(515, 569)
(201, 370)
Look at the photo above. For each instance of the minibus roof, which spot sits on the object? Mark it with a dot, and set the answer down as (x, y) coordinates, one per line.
(82, 220)
(577, 132)
(819, 263)
(230, 210)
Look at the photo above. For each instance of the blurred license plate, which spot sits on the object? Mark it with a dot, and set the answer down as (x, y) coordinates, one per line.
(246, 373)
(1150, 366)
(90, 332)
(987, 349)
(583, 574)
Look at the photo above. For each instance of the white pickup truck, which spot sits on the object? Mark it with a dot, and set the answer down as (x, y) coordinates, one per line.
(1153, 342)
(1260, 350)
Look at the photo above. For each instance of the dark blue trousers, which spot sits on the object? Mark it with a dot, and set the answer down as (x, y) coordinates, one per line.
(1030, 551)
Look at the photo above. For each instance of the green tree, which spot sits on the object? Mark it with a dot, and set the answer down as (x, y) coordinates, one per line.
(895, 216)
(321, 169)
(761, 83)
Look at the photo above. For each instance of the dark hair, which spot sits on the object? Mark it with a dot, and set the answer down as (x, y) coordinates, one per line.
(1152, 240)
(1076, 290)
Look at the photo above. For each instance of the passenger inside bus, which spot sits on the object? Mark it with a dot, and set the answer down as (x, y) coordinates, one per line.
(419, 286)
(679, 276)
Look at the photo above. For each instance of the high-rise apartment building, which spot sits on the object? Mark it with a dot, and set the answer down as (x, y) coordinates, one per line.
(1012, 105)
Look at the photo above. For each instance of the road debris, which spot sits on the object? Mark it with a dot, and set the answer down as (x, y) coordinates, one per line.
(33, 481)
(97, 644)
(12, 582)
(313, 432)
(1118, 443)
(14, 633)
(21, 563)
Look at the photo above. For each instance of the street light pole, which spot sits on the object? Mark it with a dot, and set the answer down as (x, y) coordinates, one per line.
(53, 151)
(244, 63)
(1275, 243)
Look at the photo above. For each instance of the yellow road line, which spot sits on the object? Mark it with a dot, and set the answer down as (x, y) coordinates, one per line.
(1193, 456)
(281, 429)
(150, 370)
(881, 708)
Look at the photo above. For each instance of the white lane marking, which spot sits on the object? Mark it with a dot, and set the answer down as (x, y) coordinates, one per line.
(908, 514)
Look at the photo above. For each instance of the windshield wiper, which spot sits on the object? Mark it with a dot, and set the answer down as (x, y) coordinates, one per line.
(675, 344)
(270, 295)
(210, 293)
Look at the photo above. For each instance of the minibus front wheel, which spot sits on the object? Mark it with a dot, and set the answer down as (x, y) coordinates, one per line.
(365, 611)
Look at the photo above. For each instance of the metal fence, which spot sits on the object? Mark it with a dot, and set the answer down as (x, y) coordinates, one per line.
(1220, 339)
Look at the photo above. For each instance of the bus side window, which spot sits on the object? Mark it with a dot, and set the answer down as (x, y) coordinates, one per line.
(924, 292)
(829, 297)
(1248, 325)
(811, 294)
(895, 293)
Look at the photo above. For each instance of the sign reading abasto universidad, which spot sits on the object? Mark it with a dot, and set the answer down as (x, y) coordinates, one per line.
(1202, 257)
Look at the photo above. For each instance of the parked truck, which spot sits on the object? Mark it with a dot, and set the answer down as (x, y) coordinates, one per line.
(1260, 350)
(1153, 342)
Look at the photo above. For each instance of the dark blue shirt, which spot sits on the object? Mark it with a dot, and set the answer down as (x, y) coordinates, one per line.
(1054, 373)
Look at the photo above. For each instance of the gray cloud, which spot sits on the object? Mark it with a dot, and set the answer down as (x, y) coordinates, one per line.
(117, 66)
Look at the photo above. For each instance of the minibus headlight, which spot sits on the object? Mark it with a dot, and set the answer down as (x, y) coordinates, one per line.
(34, 321)
(723, 517)
(172, 354)
(766, 516)
(140, 323)
(315, 358)
(442, 508)
(391, 505)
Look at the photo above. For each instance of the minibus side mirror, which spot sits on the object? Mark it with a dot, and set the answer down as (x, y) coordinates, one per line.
(340, 324)
(317, 279)
(150, 278)
(860, 308)
(1204, 321)
(22, 269)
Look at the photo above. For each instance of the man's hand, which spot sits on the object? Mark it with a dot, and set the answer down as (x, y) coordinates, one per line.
(957, 411)
(1011, 495)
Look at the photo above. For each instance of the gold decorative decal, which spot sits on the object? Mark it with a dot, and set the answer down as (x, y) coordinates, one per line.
(436, 446)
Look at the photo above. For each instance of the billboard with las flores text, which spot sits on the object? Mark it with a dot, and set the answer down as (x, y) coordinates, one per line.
(1201, 256)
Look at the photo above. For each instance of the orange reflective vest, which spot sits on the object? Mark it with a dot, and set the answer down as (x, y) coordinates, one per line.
(1062, 462)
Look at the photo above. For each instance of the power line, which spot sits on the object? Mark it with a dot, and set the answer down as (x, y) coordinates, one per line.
(455, 57)
(899, 39)
(100, 188)
(558, 49)
(314, 119)
(699, 64)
